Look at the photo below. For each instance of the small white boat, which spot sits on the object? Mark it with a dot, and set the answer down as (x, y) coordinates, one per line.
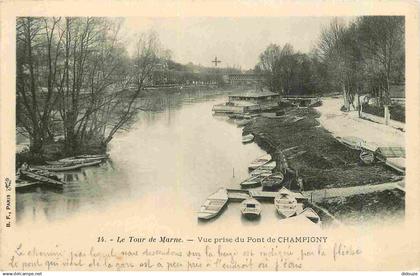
(367, 157)
(259, 162)
(269, 166)
(213, 204)
(285, 203)
(252, 182)
(247, 138)
(79, 159)
(260, 172)
(251, 208)
(272, 182)
(310, 214)
(68, 167)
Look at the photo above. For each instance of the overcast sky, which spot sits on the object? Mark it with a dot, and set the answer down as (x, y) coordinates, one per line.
(235, 41)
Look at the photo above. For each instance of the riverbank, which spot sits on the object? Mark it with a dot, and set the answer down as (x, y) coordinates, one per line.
(310, 152)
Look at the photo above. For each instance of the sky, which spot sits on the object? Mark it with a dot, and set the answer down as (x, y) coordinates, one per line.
(235, 41)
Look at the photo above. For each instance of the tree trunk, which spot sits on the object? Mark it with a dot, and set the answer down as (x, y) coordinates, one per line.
(36, 144)
(346, 101)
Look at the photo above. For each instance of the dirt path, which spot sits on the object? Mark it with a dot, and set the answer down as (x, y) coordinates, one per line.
(349, 124)
(319, 195)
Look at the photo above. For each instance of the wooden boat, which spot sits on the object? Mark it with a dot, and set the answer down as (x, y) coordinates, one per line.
(352, 142)
(251, 208)
(242, 122)
(367, 157)
(259, 162)
(40, 178)
(252, 182)
(247, 138)
(383, 153)
(68, 167)
(310, 214)
(260, 172)
(42, 173)
(272, 182)
(89, 156)
(21, 185)
(213, 204)
(79, 159)
(397, 164)
(242, 116)
(285, 203)
(370, 146)
(269, 166)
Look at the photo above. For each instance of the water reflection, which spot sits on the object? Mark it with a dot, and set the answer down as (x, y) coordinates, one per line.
(165, 167)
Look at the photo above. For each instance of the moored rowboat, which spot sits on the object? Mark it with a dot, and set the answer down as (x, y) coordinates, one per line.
(242, 122)
(272, 182)
(213, 204)
(310, 214)
(259, 162)
(79, 159)
(259, 172)
(252, 182)
(285, 203)
(68, 167)
(247, 138)
(269, 166)
(352, 142)
(250, 208)
(40, 178)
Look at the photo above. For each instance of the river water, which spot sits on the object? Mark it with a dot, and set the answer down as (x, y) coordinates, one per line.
(162, 170)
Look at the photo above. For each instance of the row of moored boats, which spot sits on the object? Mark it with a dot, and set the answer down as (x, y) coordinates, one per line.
(46, 175)
(287, 203)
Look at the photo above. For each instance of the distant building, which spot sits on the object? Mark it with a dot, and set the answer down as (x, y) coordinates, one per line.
(248, 102)
(244, 79)
(255, 97)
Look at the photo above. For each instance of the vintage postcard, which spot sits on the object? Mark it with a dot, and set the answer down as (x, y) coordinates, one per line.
(209, 136)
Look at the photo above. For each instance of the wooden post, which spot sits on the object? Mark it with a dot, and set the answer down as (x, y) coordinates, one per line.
(386, 114)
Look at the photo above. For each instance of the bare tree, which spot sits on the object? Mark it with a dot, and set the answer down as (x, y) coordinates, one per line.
(149, 55)
(38, 44)
(382, 41)
(340, 50)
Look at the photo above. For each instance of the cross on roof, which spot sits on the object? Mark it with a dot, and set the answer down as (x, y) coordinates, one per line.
(216, 61)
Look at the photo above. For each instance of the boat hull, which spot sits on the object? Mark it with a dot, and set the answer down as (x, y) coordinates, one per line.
(251, 208)
(36, 177)
(259, 162)
(251, 215)
(58, 168)
(213, 205)
(247, 140)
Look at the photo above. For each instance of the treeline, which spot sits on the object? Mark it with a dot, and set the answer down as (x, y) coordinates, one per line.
(363, 56)
(185, 74)
(69, 72)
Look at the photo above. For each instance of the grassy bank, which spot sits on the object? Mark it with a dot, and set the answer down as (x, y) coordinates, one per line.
(313, 153)
(375, 206)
